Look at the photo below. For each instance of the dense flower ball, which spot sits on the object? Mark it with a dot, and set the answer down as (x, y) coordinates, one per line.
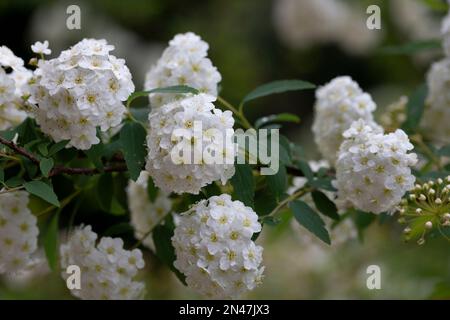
(437, 111)
(184, 62)
(214, 248)
(18, 232)
(107, 270)
(81, 90)
(13, 86)
(190, 145)
(338, 104)
(373, 169)
(146, 214)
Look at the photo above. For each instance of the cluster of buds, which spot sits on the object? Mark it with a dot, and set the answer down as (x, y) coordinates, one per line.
(426, 208)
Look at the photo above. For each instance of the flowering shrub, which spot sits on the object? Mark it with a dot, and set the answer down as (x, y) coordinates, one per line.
(182, 179)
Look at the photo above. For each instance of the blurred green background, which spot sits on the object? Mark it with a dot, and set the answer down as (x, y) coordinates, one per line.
(253, 42)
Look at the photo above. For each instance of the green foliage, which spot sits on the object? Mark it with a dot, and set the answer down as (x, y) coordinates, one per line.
(132, 140)
(325, 205)
(415, 108)
(412, 47)
(171, 89)
(274, 87)
(51, 241)
(243, 184)
(309, 219)
(43, 191)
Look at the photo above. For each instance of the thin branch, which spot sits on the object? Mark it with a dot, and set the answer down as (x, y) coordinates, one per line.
(19, 150)
(87, 171)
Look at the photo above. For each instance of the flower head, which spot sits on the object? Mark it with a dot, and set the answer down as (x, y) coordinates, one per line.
(373, 169)
(184, 62)
(190, 145)
(41, 48)
(108, 270)
(338, 104)
(18, 232)
(81, 90)
(214, 247)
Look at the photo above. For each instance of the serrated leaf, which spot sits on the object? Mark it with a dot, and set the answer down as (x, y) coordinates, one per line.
(282, 117)
(325, 205)
(51, 242)
(171, 89)
(243, 184)
(415, 108)
(309, 219)
(132, 139)
(43, 191)
(279, 86)
(46, 165)
(162, 235)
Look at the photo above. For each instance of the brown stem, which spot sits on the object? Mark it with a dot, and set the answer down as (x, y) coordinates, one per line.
(19, 150)
(87, 171)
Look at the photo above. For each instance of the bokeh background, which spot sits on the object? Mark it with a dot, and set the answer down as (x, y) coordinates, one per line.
(253, 42)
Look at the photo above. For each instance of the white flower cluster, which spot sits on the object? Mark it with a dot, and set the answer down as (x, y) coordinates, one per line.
(145, 214)
(190, 145)
(373, 169)
(437, 110)
(214, 248)
(18, 232)
(184, 62)
(302, 24)
(107, 270)
(13, 86)
(338, 104)
(81, 90)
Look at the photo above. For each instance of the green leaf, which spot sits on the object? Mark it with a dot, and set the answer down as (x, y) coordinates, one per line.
(95, 154)
(51, 242)
(325, 205)
(444, 151)
(152, 191)
(43, 191)
(140, 114)
(243, 184)
(415, 108)
(277, 87)
(171, 89)
(271, 221)
(132, 139)
(2, 175)
(162, 235)
(308, 218)
(46, 165)
(277, 183)
(43, 148)
(282, 117)
(106, 195)
(57, 147)
(411, 47)
(306, 169)
(14, 182)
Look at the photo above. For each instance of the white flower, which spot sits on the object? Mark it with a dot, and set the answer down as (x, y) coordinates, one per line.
(184, 62)
(79, 91)
(191, 124)
(41, 48)
(214, 248)
(437, 110)
(18, 232)
(373, 169)
(108, 270)
(145, 214)
(338, 104)
(13, 86)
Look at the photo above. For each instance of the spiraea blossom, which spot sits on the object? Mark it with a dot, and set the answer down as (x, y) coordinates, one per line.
(338, 104)
(184, 62)
(214, 247)
(13, 88)
(437, 109)
(190, 145)
(373, 170)
(79, 91)
(146, 214)
(18, 232)
(107, 270)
